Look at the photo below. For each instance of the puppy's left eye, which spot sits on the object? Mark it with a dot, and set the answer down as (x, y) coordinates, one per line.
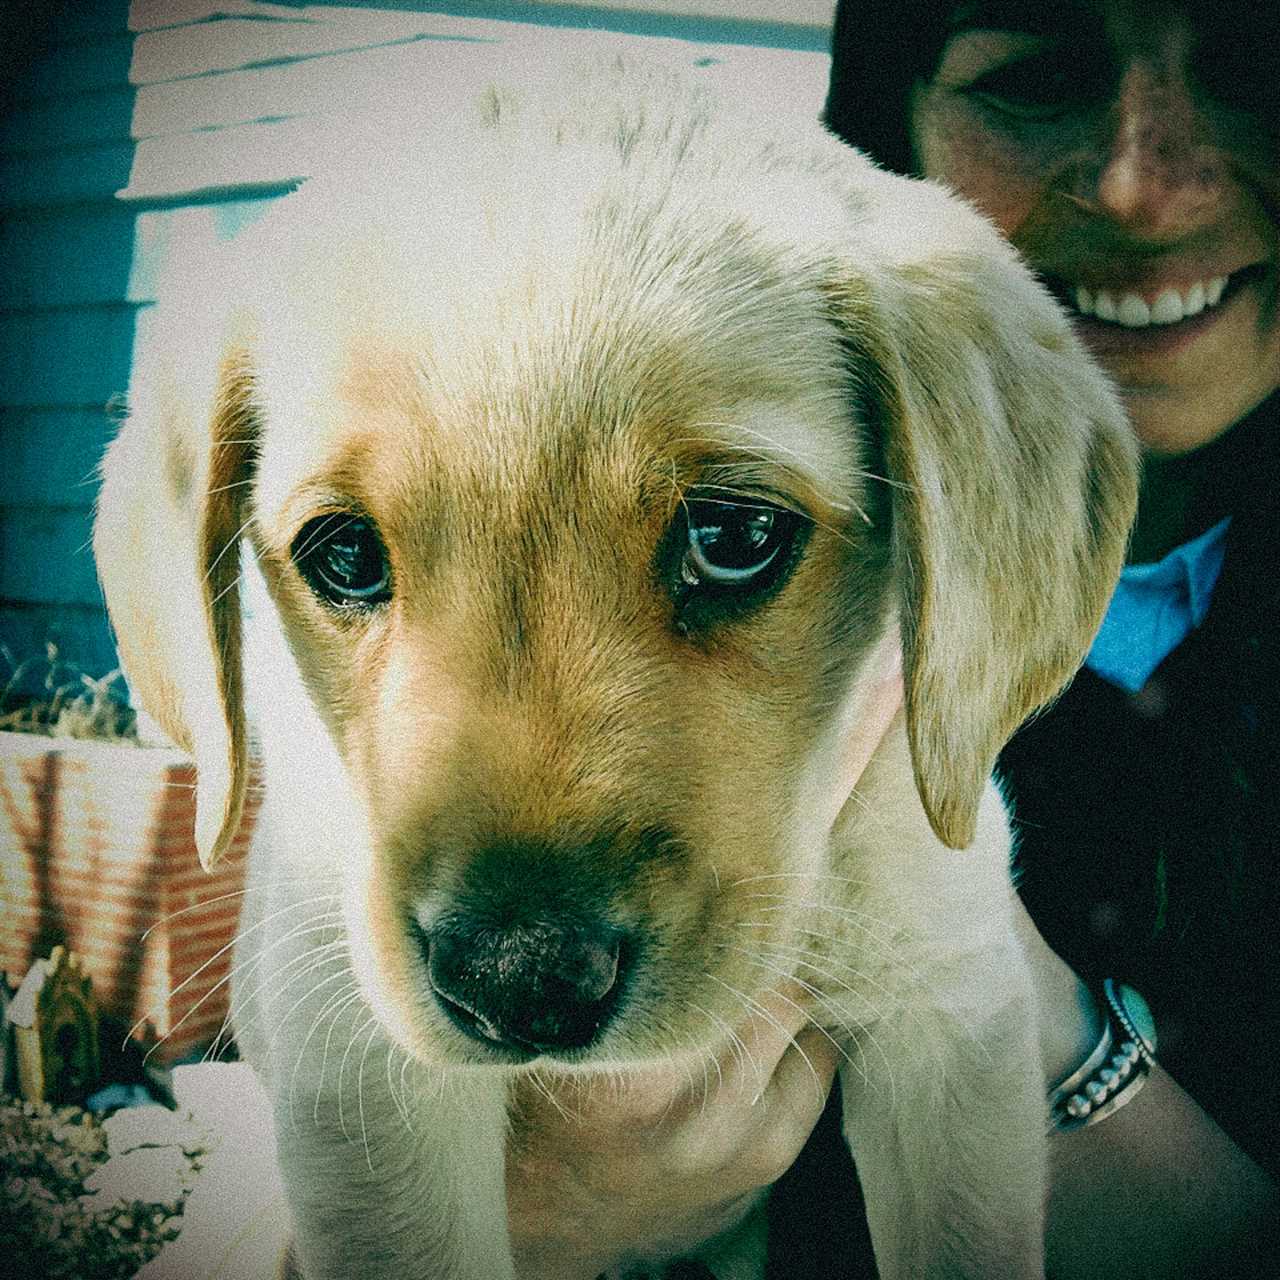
(725, 555)
(342, 559)
(734, 544)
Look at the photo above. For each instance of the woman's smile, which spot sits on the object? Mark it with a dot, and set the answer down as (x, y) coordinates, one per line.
(1149, 323)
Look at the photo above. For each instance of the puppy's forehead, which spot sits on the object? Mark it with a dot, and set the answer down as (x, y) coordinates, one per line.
(585, 308)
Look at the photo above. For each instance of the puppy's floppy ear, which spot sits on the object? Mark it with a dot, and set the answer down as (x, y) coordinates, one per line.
(1012, 471)
(171, 512)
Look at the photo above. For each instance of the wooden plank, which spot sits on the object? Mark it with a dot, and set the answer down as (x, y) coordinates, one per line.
(355, 81)
(75, 21)
(808, 13)
(150, 15)
(62, 257)
(72, 68)
(45, 556)
(796, 24)
(773, 23)
(188, 165)
(63, 177)
(105, 115)
(51, 455)
(72, 356)
(227, 44)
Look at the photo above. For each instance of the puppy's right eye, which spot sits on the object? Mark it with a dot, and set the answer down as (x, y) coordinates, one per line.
(341, 558)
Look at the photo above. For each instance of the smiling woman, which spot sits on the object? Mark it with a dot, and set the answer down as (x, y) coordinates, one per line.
(1130, 152)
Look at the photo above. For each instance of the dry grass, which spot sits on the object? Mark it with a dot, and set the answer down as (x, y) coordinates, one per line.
(45, 694)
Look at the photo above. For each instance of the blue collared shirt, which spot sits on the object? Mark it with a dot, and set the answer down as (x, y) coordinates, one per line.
(1154, 607)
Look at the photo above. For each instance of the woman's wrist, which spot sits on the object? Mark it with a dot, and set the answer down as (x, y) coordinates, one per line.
(1114, 1073)
(1070, 1022)
(1159, 1190)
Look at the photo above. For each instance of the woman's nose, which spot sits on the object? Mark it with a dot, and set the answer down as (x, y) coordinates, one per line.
(1157, 171)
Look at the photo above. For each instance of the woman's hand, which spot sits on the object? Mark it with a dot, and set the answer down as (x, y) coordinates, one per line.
(604, 1170)
(1156, 1189)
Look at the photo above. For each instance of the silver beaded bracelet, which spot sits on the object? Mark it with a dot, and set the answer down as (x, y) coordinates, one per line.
(1116, 1069)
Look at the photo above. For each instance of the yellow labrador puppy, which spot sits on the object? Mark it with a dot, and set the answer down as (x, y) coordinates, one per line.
(593, 456)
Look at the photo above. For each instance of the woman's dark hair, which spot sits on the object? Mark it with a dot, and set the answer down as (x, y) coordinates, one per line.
(879, 49)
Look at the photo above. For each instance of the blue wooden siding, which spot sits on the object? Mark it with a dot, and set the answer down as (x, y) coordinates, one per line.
(137, 132)
(66, 322)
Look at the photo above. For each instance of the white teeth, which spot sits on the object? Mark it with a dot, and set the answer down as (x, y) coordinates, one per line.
(1167, 308)
(1133, 312)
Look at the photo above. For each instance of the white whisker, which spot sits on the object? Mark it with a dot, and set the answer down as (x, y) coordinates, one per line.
(233, 541)
(335, 1001)
(364, 1129)
(737, 1046)
(757, 1008)
(191, 977)
(342, 1071)
(352, 1000)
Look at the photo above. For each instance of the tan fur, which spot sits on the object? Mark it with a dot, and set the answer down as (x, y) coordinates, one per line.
(519, 356)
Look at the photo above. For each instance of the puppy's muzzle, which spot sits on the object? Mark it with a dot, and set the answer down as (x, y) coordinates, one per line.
(535, 946)
(543, 986)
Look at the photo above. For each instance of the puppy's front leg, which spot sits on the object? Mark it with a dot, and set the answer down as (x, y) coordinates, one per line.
(412, 1190)
(946, 1125)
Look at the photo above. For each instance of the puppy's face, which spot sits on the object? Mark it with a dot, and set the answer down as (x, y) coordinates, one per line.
(556, 453)
(579, 599)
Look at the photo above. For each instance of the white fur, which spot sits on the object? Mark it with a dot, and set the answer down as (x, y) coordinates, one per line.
(1011, 484)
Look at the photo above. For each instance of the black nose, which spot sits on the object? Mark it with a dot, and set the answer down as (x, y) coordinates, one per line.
(537, 988)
